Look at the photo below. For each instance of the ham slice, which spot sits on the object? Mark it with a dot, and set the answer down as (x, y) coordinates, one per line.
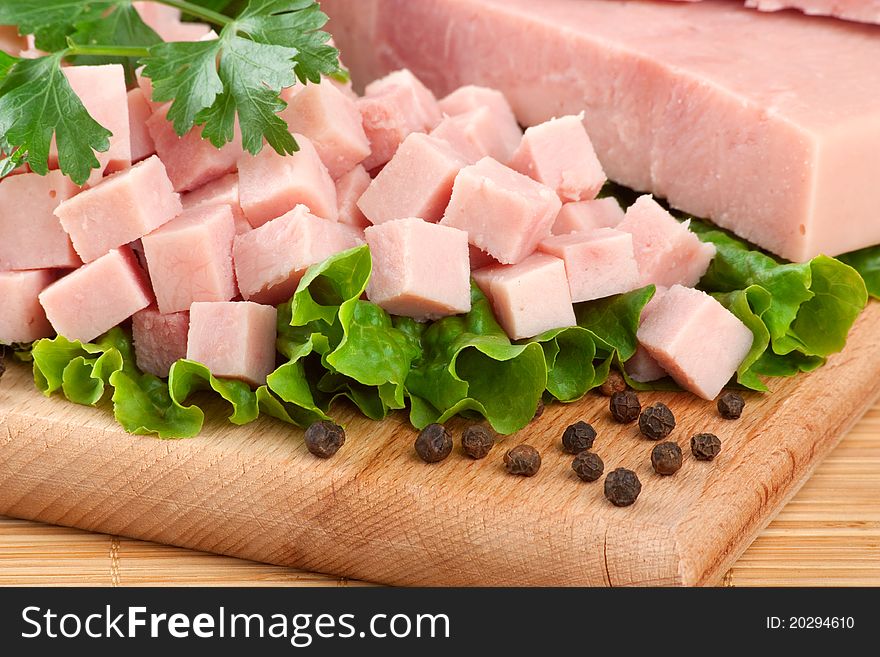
(767, 124)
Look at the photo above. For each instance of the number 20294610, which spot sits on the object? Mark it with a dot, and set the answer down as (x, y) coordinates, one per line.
(811, 623)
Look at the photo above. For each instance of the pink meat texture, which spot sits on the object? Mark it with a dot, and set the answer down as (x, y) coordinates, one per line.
(349, 189)
(862, 11)
(588, 215)
(271, 260)
(480, 133)
(139, 111)
(96, 297)
(530, 297)
(417, 182)
(223, 191)
(745, 125)
(23, 318)
(642, 367)
(233, 339)
(32, 236)
(190, 258)
(421, 269)
(695, 339)
(121, 209)
(502, 133)
(159, 340)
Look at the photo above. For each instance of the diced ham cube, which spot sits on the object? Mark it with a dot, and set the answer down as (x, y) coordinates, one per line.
(139, 111)
(166, 22)
(122, 209)
(271, 260)
(504, 212)
(479, 258)
(190, 258)
(102, 91)
(528, 298)
(349, 189)
(599, 264)
(23, 318)
(588, 215)
(470, 97)
(668, 253)
(642, 367)
(191, 161)
(96, 297)
(10, 40)
(332, 122)
(271, 184)
(395, 107)
(223, 191)
(145, 84)
(420, 269)
(696, 339)
(559, 154)
(417, 182)
(480, 133)
(234, 339)
(32, 236)
(186, 32)
(159, 340)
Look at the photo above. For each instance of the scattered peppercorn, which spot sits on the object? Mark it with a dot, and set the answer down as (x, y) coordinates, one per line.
(588, 466)
(730, 405)
(577, 437)
(539, 411)
(477, 441)
(523, 460)
(614, 383)
(323, 439)
(705, 446)
(657, 421)
(622, 487)
(625, 406)
(666, 458)
(434, 443)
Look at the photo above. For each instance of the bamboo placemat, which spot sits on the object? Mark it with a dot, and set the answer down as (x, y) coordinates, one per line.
(829, 534)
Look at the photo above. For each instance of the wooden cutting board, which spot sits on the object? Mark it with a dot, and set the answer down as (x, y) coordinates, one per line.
(376, 512)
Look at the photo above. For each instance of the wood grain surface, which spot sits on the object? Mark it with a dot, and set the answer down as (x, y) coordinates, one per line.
(376, 513)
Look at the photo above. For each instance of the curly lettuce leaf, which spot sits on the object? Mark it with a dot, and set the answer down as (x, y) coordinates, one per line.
(867, 263)
(142, 404)
(749, 306)
(187, 377)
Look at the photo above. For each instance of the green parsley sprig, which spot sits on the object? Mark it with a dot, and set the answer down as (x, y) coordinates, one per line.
(237, 77)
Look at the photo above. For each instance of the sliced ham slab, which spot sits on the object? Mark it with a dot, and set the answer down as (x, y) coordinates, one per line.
(768, 124)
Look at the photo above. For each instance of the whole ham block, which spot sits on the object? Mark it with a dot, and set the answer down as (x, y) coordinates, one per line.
(695, 339)
(420, 269)
(271, 260)
(559, 154)
(121, 209)
(530, 297)
(191, 161)
(103, 92)
(598, 264)
(139, 111)
(271, 185)
(393, 108)
(331, 120)
(223, 191)
(480, 133)
(235, 339)
(588, 215)
(668, 253)
(190, 258)
(32, 236)
(863, 11)
(159, 340)
(349, 189)
(505, 213)
(23, 318)
(417, 182)
(93, 299)
(768, 124)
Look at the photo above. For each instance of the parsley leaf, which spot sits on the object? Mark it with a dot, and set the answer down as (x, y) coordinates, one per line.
(52, 21)
(36, 102)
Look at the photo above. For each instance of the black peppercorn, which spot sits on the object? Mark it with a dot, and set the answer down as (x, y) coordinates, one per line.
(323, 439)
(625, 406)
(657, 421)
(622, 487)
(477, 441)
(523, 460)
(730, 405)
(666, 458)
(434, 443)
(577, 437)
(588, 466)
(614, 383)
(705, 446)
(539, 410)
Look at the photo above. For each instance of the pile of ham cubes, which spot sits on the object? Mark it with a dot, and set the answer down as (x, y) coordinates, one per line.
(197, 245)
